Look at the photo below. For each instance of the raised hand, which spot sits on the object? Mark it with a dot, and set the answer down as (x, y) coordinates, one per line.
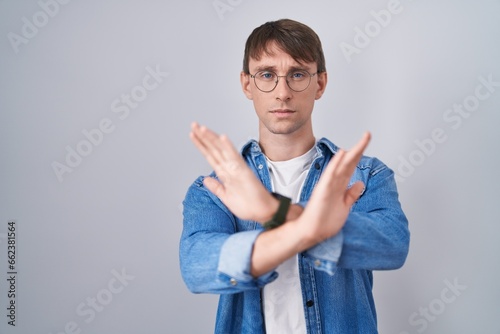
(237, 186)
(330, 202)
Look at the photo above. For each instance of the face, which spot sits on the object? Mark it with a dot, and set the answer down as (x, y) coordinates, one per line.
(283, 111)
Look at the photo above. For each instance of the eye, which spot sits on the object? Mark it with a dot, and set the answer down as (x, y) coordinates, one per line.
(265, 75)
(297, 75)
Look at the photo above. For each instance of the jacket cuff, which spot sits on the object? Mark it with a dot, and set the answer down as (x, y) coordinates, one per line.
(325, 255)
(234, 261)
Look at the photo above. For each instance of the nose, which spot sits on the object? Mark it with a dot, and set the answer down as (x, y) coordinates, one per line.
(282, 91)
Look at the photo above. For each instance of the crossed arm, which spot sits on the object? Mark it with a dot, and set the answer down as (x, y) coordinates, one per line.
(324, 216)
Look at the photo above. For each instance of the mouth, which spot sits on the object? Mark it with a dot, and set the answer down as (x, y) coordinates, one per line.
(282, 112)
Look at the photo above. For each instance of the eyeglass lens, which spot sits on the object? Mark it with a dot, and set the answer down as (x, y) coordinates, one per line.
(298, 81)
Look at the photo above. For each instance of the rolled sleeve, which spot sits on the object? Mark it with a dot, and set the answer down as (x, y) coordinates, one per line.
(235, 261)
(325, 255)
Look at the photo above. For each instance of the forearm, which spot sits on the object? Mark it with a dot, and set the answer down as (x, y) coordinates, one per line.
(273, 247)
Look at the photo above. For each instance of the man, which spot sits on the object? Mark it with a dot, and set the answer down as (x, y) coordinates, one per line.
(281, 268)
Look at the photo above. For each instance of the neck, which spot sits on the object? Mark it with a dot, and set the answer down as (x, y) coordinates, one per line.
(282, 147)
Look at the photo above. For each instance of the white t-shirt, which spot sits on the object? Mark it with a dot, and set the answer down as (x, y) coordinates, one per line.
(282, 299)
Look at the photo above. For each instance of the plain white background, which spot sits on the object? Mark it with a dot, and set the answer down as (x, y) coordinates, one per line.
(119, 209)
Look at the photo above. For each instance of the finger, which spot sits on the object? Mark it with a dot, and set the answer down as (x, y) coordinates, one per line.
(329, 175)
(204, 151)
(352, 157)
(353, 193)
(335, 161)
(195, 138)
(363, 142)
(220, 149)
(210, 141)
(204, 135)
(342, 165)
(197, 142)
(228, 148)
(357, 151)
(214, 186)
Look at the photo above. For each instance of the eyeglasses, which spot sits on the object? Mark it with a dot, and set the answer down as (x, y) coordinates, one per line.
(298, 80)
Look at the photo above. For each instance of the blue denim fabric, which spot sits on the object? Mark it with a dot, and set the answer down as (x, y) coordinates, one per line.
(335, 276)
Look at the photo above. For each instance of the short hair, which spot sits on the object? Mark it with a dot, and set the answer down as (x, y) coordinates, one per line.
(295, 38)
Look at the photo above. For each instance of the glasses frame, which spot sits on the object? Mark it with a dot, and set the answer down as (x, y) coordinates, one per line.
(253, 76)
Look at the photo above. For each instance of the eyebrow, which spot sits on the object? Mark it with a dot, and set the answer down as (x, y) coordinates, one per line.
(274, 69)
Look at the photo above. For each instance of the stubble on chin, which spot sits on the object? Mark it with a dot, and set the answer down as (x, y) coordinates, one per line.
(281, 127)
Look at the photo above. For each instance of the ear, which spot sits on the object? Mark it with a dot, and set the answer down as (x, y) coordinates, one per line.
(245, 85)
(322, 81)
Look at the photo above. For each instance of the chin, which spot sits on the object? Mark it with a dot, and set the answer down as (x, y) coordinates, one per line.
(282, 130)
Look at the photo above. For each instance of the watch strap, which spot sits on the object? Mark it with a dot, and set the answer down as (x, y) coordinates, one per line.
(280, 215)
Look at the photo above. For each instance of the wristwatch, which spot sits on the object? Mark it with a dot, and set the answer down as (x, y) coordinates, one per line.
(280, 215)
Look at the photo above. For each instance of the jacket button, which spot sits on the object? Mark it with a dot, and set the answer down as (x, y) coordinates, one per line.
(233, 282)
(317, 166)
(309, 303)
(317, 263)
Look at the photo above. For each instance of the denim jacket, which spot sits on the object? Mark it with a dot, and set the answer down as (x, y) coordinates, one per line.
(335, 275)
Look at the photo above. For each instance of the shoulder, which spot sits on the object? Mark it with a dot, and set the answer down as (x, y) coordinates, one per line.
(367, 167)
(198, 193)
(371, 165)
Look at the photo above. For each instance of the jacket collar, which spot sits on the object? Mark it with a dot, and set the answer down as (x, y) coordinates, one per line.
(323, 146)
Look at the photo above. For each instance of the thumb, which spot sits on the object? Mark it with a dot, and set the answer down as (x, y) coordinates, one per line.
(214, 186)
(352, 194)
